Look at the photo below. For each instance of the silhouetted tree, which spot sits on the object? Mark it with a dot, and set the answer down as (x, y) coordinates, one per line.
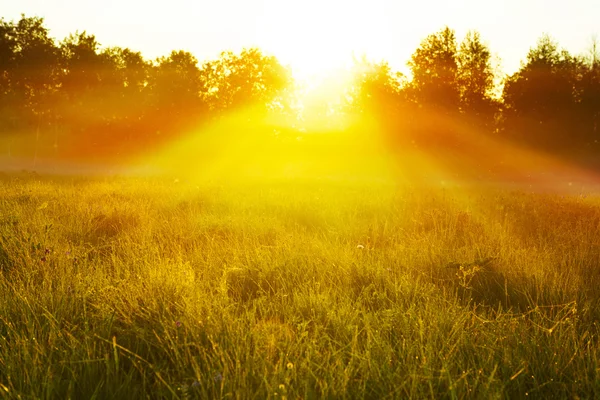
(176, 91)
(375, 87)
(434, 67)
(378, 94)
(125, 78)
(82, 81)
(29, 77)
(542, 98)
(30, 70)
(8, 96)
(248, 79)
(475, 77)
(590, 101)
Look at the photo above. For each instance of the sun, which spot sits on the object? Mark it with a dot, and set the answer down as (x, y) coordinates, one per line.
(317, 37)
(319, 40)
(312, 55)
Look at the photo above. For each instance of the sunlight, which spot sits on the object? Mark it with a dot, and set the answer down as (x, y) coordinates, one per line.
(296, 217)
(316, 38)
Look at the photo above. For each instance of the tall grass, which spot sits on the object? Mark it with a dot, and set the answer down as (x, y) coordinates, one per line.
(137, 288)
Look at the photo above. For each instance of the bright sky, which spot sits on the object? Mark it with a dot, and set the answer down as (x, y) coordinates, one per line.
(311, 35)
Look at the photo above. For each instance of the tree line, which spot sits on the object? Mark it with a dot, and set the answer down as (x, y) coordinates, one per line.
(113, 101)
(551, 104)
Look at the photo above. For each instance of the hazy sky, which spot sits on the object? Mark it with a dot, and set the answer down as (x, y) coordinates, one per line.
(308, 34)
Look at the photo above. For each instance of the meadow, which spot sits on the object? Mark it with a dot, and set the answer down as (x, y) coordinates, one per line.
(128, 288)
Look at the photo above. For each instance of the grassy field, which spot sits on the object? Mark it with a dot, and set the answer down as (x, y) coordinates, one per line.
(129, 288)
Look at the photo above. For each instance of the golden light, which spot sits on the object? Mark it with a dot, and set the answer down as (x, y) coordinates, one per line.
(318, 37)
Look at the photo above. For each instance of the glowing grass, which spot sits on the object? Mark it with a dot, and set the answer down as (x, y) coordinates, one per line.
(127, 288)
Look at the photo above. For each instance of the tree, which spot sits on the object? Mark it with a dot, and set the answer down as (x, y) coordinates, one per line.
(377, 94)
(30, 69)
(590, 99)
(541, 99)
(248, 79)
(124, 77)
(81, 83)
(475, 77)
(434, 69)
(8, 44)
(29, 84)
(375, 86)
(177, 93)
(104, 95)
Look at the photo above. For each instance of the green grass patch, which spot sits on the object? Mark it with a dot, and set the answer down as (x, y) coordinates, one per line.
(145, 288)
